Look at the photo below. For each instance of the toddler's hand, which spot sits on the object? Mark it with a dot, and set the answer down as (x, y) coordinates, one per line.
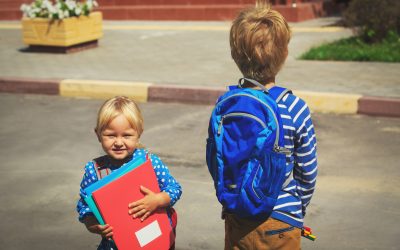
(104, 230)
(144, 207)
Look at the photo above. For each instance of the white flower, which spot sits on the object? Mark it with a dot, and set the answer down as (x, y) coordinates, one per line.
(31, 14)
(60, 14)
(25, 8)
(35, 10)
(66, 13)
(71, 5)
(78, 11)
(89, 5)
(57, 9)
(49, 6)
(53, 12)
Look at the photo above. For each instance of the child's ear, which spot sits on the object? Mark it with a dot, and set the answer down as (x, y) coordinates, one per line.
(97, 135)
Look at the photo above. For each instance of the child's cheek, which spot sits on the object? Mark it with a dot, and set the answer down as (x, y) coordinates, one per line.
(132, 149)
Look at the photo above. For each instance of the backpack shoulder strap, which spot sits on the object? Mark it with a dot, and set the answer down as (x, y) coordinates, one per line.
(100, 164)
(278, 93)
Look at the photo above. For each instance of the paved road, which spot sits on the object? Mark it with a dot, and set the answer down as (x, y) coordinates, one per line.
(46, 140)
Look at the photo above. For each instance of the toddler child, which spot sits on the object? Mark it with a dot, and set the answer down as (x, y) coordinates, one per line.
(119, 127)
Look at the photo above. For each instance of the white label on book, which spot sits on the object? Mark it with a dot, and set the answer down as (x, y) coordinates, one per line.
(148, 233)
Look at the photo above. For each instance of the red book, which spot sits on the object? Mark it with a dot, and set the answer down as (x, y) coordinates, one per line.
(112, 201)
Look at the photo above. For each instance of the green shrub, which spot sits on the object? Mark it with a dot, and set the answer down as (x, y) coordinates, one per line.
(373, 20)
(354, 49)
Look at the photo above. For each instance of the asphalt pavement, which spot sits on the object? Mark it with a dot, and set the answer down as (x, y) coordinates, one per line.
(45, 142)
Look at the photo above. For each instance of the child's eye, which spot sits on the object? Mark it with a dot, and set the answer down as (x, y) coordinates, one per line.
(109, 135)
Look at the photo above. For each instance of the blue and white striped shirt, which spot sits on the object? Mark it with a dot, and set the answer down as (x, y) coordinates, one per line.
(302, 162)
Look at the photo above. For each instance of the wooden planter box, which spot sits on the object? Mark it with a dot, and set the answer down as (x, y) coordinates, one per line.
(62, 33)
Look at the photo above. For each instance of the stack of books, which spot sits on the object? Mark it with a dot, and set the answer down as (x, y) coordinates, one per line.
(108, 199)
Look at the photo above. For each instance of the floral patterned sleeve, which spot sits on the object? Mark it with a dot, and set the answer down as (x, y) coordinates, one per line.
(166, 181)
(89, 178)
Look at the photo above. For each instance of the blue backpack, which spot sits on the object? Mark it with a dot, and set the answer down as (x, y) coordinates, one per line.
(245, 150)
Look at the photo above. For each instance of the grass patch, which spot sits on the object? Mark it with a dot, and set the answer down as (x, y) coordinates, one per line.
(354, 49)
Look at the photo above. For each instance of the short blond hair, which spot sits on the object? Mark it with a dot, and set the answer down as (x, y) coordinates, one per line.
(115, 107)
(259, 39)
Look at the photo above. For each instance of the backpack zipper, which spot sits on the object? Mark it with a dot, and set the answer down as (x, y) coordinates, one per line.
(277, 148)
(239, 114)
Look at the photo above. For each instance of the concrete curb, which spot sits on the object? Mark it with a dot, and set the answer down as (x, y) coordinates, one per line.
(30, 86)
(184, 94)
(148, 92)
(104, 89)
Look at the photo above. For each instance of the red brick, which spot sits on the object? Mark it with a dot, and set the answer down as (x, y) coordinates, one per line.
(183, 94)
(379, 106)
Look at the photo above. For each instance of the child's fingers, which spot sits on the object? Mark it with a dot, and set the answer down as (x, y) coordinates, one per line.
(147, 214)
(135, 209)
(98, 229)
(145, 190)
(107, 232)
(132, 205)
(140, 213)
(135, 203)
(103, 227)
(108, 235)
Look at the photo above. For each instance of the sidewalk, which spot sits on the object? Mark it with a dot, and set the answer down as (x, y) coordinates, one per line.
(190, 62)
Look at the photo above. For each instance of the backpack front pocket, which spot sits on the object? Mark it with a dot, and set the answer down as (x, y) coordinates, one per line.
(238, 133)
(251, 186)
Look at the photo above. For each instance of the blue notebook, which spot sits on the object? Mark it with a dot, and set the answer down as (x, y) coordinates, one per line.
(106, 180)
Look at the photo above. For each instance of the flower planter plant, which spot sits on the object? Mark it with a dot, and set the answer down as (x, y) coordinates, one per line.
(61, 23)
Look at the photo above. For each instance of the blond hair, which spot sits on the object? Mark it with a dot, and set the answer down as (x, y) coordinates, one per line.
(259, 39)
(115, 107)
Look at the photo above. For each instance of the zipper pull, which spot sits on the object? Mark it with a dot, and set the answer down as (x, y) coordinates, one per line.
(283, 150)
(220, 125)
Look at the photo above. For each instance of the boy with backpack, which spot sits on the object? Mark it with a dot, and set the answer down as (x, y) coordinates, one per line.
(261, 149)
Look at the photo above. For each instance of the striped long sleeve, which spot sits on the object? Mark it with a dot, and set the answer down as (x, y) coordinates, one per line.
(305, 157)
(300, 139)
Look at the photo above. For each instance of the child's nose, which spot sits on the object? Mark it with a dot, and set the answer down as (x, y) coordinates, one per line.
(118, 142)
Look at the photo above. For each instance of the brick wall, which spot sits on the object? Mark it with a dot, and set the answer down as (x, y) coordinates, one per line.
(200, 10)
